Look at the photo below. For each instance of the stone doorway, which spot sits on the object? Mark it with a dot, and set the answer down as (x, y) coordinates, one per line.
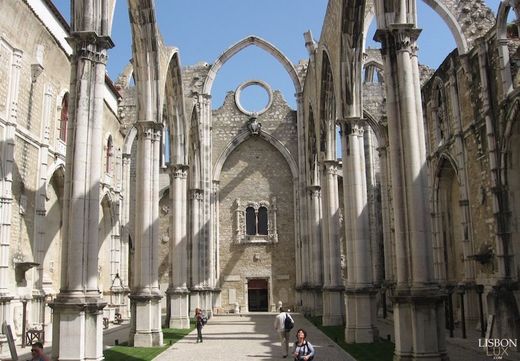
(257, 295)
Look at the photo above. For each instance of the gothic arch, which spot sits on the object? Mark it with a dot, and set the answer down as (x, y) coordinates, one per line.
(379, 129)
(174, 112)
(129, 141)
(328, 108)
(444, 219)
(242, 44)
(58, 165)
(312, 148)
(242, 137)
(146, 47)
(503, 49)
(194, 150)
(351, 58)
(449, 18)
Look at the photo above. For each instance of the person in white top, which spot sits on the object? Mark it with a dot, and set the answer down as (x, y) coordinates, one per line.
(279, 326)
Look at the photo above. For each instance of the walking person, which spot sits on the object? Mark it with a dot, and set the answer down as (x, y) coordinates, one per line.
(281, 325)
(199, 318)
(303, 349)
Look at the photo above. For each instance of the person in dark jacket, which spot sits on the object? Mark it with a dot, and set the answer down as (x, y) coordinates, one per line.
(199, 323)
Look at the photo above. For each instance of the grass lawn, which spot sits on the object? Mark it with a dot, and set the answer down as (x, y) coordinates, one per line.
(378, 351)
(126, 353)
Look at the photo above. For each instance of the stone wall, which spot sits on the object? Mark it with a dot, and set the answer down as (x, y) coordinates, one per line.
(256, 171)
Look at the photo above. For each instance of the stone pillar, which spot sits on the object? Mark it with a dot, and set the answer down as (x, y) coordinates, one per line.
(41, 197)
(78, 317)
(197, 249)
(316, 266)
(301, 204)
(6, 197)
(332, 284)
(207, 237)
(418, 303)
(125, 231)
(145, 295)
(178, 289)
(389, 246)
(360, 291)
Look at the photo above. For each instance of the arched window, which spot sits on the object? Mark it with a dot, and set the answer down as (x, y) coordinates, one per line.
(64, 117)
(440, 113)
(250, 221)
(109, 155)
(262, 221)
(255, 222)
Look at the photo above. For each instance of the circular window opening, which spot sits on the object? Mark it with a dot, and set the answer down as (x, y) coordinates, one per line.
(253, 97)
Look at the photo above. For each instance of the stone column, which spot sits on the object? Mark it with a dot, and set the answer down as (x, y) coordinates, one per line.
(197, 249)
(332, 284)
(78, 317)
(178, 289)
(207, 238)
(41, 197)
(145, 295)
(125, 220)
(316, 266)
(6, 197)
(360, 291)
(389, 255)
(418, 303)
(301, 210)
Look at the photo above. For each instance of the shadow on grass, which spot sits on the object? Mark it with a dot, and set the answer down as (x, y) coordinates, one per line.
(382, 350)
(127, 353)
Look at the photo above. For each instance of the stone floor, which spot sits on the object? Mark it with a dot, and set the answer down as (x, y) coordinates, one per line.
(248, 337)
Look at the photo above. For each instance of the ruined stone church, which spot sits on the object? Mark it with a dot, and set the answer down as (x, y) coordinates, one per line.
(136, 198)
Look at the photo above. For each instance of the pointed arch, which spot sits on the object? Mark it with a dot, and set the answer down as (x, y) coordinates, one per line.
(129, 141)
(174, 111)
(241, 138)
(242, 44)
(327, 121)
(449, 18)
(194, 150)
(503, 49)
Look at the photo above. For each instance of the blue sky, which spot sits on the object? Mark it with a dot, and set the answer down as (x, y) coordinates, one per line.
(203, 29)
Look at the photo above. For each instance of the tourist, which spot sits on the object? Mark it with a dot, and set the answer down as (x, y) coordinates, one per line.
(279, 326)
(37, 352)
(199, 318)
(303, 349)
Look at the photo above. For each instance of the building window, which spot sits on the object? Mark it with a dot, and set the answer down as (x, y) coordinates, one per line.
(64, 117)
(255, 222)
(250, 221)
(440, 114)
(262, 221)
(109, 155)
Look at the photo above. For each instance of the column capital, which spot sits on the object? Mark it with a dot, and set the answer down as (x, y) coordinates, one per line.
(149, 130)
(331, 166)
(405, 37)
(314, 190)
(179, 171)
(352, 126)
(91, 46)
(400, 37)
(382, 150)
(85, 38)
(196, 194)
(17, 58)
